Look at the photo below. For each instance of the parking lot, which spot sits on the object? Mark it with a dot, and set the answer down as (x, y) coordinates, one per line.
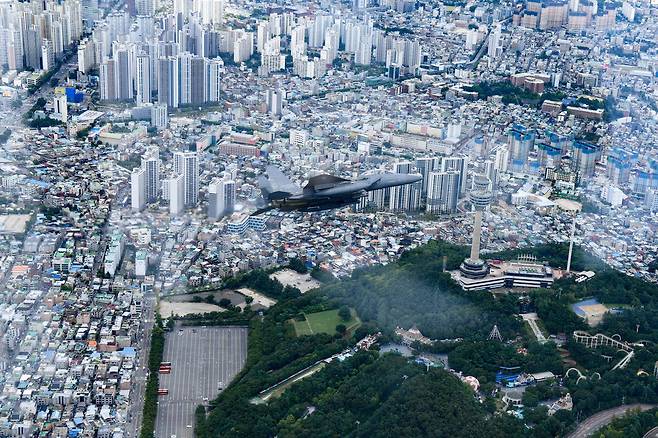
(201, 358)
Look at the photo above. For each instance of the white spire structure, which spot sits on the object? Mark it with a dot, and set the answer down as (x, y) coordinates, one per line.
(494, 335)
(480, 197)
(477, 235)
(573, 232)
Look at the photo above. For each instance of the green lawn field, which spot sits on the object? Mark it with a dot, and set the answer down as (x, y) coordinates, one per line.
(324, 322)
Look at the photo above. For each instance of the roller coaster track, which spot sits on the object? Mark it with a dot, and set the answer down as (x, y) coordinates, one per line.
(601, 340)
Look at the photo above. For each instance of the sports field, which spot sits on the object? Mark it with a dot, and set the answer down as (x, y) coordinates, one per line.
(324, 322)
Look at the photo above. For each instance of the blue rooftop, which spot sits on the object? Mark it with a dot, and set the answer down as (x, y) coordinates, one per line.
(128, 352)
(39, 183)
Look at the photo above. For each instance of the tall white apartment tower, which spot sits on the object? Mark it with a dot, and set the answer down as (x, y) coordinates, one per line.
(151, 165)
(47, 55)
(213, 201)
(442, 192)
(159, 118)
(60, 108)
(168, 82)
(501, 162)
(405, 197)
(213, 71)
(145, 7)
(221, 198)
(494, 45)
(185, 71)
(426, 165)
(187, 164)
(227, 196)
(138, 189)
(274, 100)
(176, 194)
(143, 79)
(459, 164)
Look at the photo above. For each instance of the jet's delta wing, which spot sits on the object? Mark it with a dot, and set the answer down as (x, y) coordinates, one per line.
(277, 185)
(280, 182)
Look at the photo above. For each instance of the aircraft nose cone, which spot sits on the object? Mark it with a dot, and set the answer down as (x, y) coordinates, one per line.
(409, 179)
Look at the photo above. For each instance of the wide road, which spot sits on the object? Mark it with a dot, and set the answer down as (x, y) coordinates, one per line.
(137, 394)
(201, 358)
(600, 419)
(653, 433)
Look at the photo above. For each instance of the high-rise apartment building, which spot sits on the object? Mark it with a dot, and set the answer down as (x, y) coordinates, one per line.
(426, 165)
(123, 75)
(495, 43)
(159, 117)
(176, 194)
(168, 82)
(107, 83)
(443, 192)
(585, 156)
(458, 164)
(405, 197)
(187, 164)
(145, 7)
(521, 141)
(47, 55)
(274, 101)
(212, 79)
(221, 198)
(143, 80)
(151, 165)
(138, 188)
(501, 161)
(60, 107)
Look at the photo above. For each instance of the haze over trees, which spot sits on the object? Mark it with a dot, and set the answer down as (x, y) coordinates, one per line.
(415, 291)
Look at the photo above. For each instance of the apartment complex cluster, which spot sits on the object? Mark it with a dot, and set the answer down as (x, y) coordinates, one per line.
(177, 59)
(35, 34)
(181, 189)
(575, 15)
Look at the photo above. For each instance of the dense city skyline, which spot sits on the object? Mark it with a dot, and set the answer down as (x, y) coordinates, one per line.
(194, 190)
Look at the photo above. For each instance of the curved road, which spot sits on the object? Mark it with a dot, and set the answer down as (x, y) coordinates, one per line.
(600, 419)
(652, 433)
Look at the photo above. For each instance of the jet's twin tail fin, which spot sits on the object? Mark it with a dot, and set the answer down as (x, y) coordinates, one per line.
(324, 181)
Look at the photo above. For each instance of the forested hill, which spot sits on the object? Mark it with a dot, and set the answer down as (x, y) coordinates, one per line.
(365, 396)
(367, 393)
(406, 401)
(434, 403)
(415, 290)
(388, 395)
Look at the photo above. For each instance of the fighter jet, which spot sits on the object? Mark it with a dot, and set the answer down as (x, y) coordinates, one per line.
(322, 192)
